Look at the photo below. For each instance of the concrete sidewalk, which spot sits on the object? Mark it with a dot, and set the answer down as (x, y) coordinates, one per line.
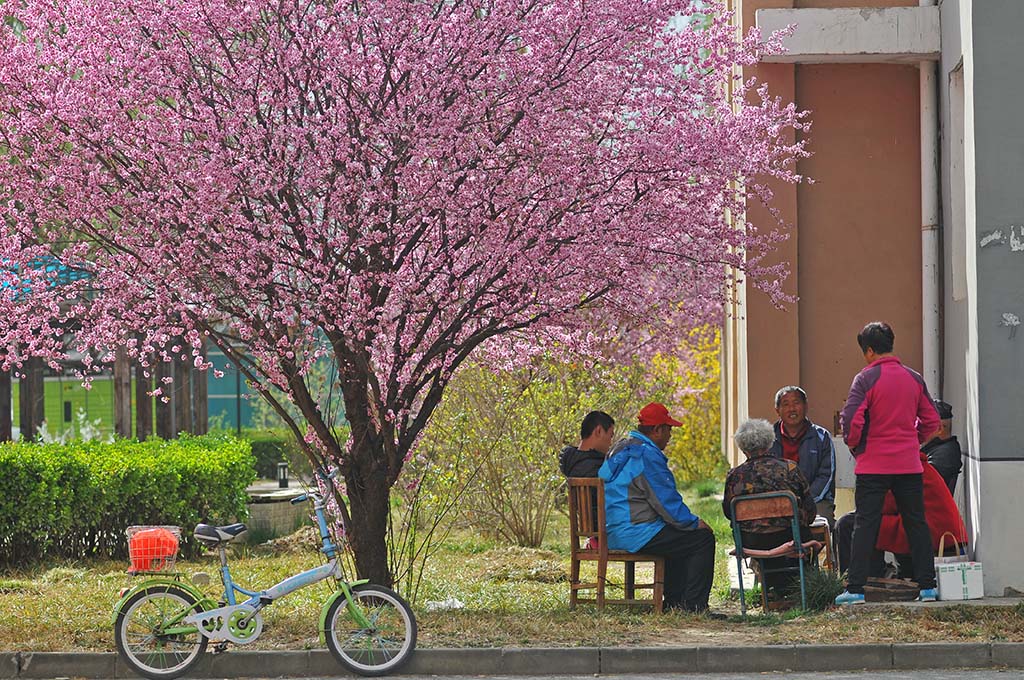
(562, 661)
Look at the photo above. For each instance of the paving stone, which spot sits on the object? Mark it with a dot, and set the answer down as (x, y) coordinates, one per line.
(8, 664)
(200, 670)
(761, 658)
(941, 655)
(455, 662)
(1008, 654)
(67, 664)
(245, 664)
(615, 660)
(843, 657)
(541, 661)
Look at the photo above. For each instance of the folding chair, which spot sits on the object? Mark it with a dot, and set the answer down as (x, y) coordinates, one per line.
(764, 506)
(589, 543)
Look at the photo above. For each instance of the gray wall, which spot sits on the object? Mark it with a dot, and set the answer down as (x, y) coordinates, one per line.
(999, 141)
(983, 365)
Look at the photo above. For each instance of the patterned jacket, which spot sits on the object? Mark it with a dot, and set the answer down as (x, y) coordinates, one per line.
(762, 473)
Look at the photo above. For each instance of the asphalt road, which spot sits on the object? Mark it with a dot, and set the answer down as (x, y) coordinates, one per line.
(863, 675)
(889, 675)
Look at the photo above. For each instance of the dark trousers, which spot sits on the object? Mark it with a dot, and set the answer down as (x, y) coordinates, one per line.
(689, 566)
(908, 490)
(844, 545)
(778, 581)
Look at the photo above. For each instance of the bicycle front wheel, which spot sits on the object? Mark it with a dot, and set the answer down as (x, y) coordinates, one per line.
(384, 643)
(142, 637)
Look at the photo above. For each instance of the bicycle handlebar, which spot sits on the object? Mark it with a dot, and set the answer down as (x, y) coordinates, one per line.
(313, 494)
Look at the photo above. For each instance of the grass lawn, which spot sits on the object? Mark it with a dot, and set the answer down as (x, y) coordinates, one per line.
(511, 597)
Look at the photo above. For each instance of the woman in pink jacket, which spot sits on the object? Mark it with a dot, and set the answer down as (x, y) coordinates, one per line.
(887, 416)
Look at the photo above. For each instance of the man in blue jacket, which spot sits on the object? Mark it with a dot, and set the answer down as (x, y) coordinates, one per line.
(809, 446)
(645, 513)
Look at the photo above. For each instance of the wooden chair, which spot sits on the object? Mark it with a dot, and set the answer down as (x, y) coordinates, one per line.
(587, 526)
(821, 532)
(764, 506)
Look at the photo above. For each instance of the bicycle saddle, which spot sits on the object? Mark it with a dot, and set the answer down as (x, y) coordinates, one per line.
(213, 536)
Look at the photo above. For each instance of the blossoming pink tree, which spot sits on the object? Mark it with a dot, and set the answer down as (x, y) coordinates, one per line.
(388, 185)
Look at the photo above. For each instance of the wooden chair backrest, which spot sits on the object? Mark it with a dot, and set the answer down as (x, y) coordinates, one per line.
(586, 518)
(764, 505)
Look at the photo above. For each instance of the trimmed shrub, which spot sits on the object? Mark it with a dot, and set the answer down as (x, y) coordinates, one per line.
(270, 447)
(75, 500)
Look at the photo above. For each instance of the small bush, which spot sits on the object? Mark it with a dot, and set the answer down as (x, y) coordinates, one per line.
(270, 447)
(708, 487)
(75, 500)
(822, 588)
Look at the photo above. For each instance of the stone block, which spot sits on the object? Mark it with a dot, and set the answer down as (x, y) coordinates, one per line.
(1010, 654)
(67, 664)
(941, 655)
(9, 664)
(755, 659)
(843, 657)
(620, 660)
(547, 661)
(455, 662)
(252, 664)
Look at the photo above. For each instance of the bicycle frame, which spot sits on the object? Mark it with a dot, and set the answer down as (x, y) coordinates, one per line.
(259, 599)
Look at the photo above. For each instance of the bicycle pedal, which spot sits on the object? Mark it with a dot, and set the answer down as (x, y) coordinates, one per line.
(220, 648)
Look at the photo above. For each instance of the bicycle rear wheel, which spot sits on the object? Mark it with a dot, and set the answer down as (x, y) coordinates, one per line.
(141, 637)
(381, 647)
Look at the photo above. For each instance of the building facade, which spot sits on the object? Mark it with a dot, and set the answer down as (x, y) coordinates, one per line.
(915, 217)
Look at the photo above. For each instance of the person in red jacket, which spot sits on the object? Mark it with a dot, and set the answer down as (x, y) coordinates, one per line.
(939, 510)
(887, 416)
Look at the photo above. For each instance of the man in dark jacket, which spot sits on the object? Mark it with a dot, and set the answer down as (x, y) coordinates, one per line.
(943, 450)
(596, 433)
(808, 445)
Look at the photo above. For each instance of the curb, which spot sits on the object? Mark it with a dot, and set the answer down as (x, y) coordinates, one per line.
(550, 661)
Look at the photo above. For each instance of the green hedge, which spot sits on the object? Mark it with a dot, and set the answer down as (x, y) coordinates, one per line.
(75, 500)
(270, 447)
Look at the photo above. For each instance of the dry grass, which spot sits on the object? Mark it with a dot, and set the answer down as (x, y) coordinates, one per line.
(511, 597)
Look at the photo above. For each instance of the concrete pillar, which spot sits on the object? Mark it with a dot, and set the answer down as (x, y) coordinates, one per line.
(200, 402)
(183, 395)
(31, 399)
(143, 403)
(5, 406)
(164, 409)
(122, 394)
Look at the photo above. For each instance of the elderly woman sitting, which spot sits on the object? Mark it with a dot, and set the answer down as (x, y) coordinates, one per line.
(761, 473)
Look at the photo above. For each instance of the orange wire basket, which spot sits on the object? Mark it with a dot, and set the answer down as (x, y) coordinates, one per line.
(152, 549)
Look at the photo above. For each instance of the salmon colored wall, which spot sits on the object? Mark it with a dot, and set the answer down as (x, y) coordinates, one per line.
(854, 246)
(800, 4)
(860, 239)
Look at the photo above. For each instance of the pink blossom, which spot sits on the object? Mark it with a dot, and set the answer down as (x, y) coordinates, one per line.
(389, 187)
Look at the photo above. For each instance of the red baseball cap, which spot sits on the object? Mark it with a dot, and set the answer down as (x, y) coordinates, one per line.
(656, 414)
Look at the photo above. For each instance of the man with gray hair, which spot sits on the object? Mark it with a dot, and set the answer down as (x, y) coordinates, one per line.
(761, 473)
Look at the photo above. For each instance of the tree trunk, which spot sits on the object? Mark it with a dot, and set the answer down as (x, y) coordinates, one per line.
(122, 395)
(5, 406)
(143, 404)
(164, 411)
(30, 395)
(369, 504)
